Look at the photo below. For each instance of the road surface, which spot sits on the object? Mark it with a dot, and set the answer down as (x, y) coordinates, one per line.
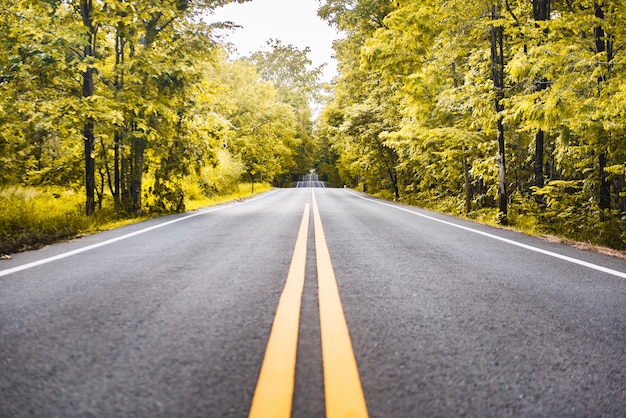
(310, 180)
(422, 315)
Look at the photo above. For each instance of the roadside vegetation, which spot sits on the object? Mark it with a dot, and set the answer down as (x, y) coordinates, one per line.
(505, 111)
(114, 111)
(33, 217)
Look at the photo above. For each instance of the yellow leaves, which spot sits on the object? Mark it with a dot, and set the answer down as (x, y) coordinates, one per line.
(401, 46)
(616, 169)
(519, 68)
(263, 131)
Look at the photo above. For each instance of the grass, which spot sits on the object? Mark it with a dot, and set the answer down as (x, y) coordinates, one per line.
(603, 236)
(243, 191)
(32, 217)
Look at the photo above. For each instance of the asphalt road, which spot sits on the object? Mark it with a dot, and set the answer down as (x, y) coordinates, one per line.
(310, 180)
(446, 318)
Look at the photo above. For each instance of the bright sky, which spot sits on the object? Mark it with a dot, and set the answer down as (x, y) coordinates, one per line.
(294, 22)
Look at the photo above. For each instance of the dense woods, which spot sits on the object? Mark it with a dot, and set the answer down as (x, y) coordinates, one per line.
(137, 107)
(135, 103)
(508, 111)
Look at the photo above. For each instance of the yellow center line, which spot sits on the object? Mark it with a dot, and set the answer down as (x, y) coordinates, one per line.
(273, 396)
(274, 391)
(342, 385)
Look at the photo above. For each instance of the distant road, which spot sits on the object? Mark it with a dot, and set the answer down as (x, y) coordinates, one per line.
(423, 315)
(310, 180)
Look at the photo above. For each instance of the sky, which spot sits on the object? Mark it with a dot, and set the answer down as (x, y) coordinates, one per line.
(294, 22)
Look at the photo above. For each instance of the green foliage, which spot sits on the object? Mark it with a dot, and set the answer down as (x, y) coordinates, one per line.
(141, 91)
(289, 70)
(444, 104)
(30, 218)
(262, 130)
(431, 93)
(135, 105)
(33, 217)
(222, 179)
(296, 84)
(362, 112)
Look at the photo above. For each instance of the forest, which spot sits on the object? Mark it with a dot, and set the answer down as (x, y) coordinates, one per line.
(510, 112)
(506, 111)
(120, 109)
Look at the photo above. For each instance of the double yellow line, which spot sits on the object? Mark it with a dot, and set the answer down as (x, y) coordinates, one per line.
(342, 387)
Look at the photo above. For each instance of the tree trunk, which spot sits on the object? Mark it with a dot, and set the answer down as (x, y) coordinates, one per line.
(86, 9)
(598, 31)
(602, 40)
(622, 186)
(117, 179)
(497, 73)
(90, 167)
(124, 187)
(106, 170)
(120, 44)
(468, 189)
(136, 175)
(539, 140)
(393, 176)
(541, 9)
(541, 12)
(502, 200)
(605, 187)
(139, 144)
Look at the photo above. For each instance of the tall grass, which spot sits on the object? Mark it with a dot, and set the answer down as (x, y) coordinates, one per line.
(241, 191)
(33, 217)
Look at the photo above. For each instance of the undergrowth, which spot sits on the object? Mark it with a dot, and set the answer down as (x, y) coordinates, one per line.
(34, 217)
(31, 218)
(578, 221)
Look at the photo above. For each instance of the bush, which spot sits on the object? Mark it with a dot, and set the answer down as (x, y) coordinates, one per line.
(31, 218)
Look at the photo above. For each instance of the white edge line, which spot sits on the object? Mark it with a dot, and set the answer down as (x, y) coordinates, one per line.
(508, 241)
(123, 237)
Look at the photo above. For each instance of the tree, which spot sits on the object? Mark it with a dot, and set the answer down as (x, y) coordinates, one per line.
(92, 68)
(442, 84)
(541, 13)
(297, 84)
(497, 75)
(89, 50)
(262, 129)
(359, 114)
